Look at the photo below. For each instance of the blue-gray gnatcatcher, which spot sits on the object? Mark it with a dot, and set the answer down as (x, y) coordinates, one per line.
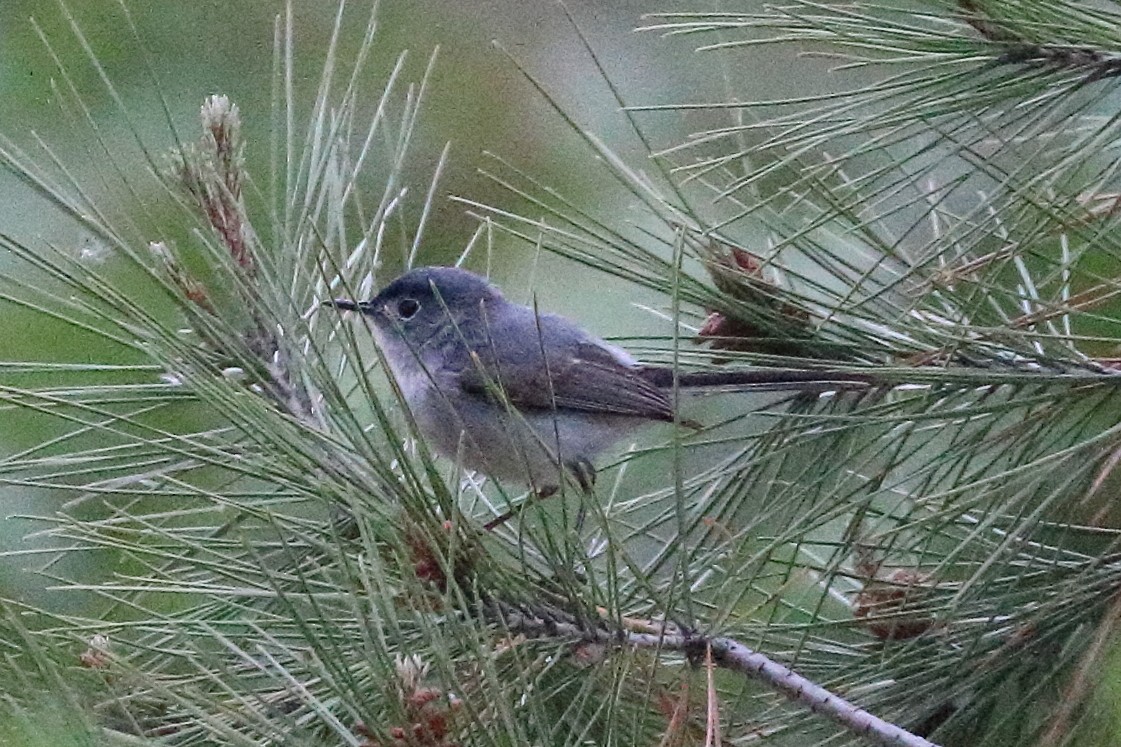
(522, 396)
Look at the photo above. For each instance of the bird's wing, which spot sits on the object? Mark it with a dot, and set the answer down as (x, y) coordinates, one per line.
(585, 375)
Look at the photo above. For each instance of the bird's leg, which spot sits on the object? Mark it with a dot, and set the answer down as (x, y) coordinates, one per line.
(585, 474)
(582, 471)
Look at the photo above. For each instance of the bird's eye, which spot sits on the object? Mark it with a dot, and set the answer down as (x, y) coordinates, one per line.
(407, 308)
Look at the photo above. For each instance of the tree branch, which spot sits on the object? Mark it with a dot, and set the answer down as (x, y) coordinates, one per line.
(727, 653)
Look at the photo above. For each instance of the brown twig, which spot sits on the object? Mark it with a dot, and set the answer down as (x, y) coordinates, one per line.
(725, 653)
(1020, 50)
(212, 174)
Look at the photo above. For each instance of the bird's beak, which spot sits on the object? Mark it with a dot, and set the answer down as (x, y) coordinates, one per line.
(345, 305)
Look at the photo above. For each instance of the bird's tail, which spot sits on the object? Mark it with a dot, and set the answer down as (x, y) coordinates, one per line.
(762, 379)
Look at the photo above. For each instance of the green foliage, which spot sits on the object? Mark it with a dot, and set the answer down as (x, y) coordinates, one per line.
(295, 568)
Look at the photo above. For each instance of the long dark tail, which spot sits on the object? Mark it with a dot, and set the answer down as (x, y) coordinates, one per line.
(763, 379)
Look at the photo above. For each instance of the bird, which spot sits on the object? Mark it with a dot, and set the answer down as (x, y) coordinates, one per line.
(523, 396)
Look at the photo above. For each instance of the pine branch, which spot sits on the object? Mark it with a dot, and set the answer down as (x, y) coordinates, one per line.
(725, 652)
(1097, 64)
